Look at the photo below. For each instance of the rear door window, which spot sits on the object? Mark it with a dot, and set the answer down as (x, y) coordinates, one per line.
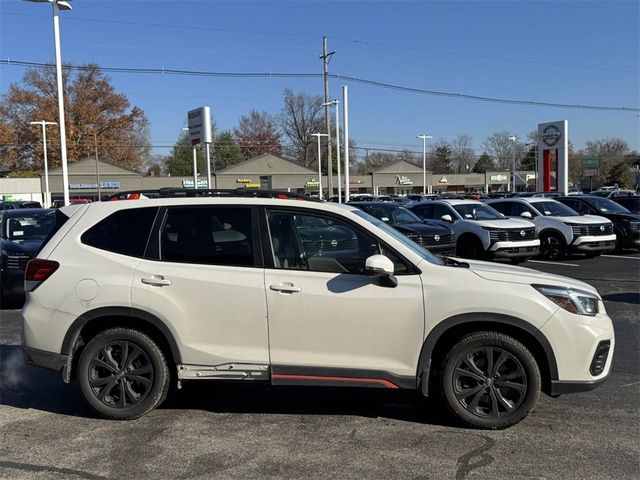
(209, 235)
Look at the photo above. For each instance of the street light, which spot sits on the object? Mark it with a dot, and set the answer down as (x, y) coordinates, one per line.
(95, 144)
(57, 6)
(336, 103)
(424, 162)
(318, 135)
(513, 138)
(47, 194)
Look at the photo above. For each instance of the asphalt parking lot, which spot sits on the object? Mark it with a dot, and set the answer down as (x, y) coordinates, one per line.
(211, 430)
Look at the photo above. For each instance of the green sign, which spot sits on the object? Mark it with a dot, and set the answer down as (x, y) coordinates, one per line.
(589, 163)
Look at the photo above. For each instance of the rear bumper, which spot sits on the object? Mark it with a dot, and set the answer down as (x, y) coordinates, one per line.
(42, 358)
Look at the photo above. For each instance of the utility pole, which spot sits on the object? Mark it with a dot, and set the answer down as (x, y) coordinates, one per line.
(325, 57)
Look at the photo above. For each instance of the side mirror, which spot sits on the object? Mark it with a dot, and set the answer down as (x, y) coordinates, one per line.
(526, 215)
(380, 266)
(447, 218)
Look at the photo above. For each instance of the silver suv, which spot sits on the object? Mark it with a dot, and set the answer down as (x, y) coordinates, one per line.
(561, 229)
(130, 296)
(482, 232)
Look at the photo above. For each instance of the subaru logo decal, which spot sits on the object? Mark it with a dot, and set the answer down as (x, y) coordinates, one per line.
(437, 238)
(602, 228)
(522, 233)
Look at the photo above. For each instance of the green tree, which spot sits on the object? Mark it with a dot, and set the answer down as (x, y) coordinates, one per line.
(226, 150)
(621, 174)
(179, 163)
(440, 161)
(484, 164)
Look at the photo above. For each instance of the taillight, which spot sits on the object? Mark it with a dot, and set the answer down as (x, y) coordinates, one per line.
(37, 272)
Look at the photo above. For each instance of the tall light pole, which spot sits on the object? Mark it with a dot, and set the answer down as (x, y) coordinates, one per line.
(424, 162)
(47, 193)
(318, 135)
(336, 103)
(345, 116)
(57, 6)
(514, 139)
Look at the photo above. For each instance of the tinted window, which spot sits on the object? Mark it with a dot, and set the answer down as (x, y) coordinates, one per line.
(503, 207)
(578, 206)
(423, 211)
(554, 209)
(125, 231)
(28, 226)
(208, 235)
(477, 211)
(604, 205)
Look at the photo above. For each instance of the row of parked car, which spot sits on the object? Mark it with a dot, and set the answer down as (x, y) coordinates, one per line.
(514, 228)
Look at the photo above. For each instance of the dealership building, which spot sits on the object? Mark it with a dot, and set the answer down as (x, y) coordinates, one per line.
(264, 171)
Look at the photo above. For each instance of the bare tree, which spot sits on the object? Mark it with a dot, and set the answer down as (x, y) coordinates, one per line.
(257, 133)
(299, 118)
(373, 161)
(462, 156)
(499, 147)
(407, 156)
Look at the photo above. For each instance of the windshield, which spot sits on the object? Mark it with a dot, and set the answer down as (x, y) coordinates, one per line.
(29, 227)
(392, 213)
(604, 205)
(477, 211)
(417, 249)
(551, 208)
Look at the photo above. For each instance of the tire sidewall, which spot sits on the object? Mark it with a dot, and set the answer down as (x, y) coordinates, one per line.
(160, 384)
(561, 246)
(515, 348)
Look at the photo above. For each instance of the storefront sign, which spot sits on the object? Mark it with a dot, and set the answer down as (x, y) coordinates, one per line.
(94, 186)
(188, 183)
(498, 178)
(243, 180)
(312, 184)
(403, 180)
(355, 182)
(443, 180)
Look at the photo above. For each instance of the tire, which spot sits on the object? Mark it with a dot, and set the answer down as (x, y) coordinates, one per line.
(593, 254)
(104, 379)
(519, 260)
(467, 380)
(552, 246)
(470, 247)
(619, 242)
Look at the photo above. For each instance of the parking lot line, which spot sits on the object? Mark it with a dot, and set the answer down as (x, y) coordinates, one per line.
(619, 256)
(554, 263)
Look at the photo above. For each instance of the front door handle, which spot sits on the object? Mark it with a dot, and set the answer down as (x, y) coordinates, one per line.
(156, 281)
(285, 288)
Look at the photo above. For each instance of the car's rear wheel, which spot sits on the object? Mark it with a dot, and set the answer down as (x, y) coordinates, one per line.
(123, 374)
(490, 380)
(552, 246)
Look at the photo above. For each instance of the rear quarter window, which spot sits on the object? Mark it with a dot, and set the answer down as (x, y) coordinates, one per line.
(125, 232)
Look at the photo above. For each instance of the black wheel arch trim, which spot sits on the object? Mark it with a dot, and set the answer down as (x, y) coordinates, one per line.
(424, 362)
(76, 327)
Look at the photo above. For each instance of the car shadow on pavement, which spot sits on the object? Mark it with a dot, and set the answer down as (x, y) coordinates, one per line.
(29, 387)
(623, 297)
(25, 386)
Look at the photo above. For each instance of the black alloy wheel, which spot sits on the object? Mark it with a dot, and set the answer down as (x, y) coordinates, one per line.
(552, 247)
(123, 374)
(490, 380)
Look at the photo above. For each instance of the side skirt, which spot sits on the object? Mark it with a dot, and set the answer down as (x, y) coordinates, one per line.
(339, 377)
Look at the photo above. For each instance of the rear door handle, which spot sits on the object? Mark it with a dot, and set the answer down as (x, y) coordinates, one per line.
(156, 281)
(285, 288)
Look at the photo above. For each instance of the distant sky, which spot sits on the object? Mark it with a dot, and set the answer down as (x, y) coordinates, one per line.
(557, 51)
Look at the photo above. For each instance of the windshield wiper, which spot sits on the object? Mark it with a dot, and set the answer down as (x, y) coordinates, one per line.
(454, 263)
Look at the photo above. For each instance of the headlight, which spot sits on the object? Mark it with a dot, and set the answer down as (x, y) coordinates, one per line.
(574, 301)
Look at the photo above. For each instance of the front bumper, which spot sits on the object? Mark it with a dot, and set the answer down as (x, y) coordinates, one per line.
(632, 240)
(446, 249)
(593, 243)
(559, 387)
(528, 248)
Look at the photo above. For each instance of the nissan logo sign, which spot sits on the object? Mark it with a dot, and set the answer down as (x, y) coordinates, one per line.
(437, 238)
(551, 135)
(334, 243)
(522, 233)
(602, 228)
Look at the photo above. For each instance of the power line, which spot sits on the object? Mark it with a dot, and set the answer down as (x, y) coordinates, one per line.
(374, 83)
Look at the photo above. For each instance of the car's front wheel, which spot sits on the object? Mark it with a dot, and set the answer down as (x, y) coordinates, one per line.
(490, 380)
(552, 246)
(123, 374)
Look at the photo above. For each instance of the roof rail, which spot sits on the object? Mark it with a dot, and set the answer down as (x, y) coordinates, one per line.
(170, 192)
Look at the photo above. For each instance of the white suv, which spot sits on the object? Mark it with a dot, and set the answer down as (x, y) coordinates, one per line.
(127, 297)
(561, 229)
